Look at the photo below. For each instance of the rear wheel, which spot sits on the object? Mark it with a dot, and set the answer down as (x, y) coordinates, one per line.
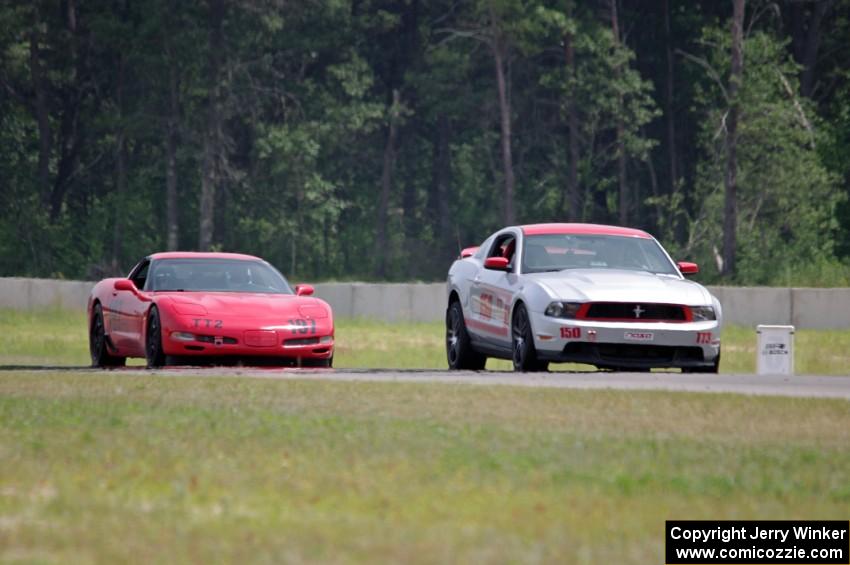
(459, 350)
(524, 353)
(98, 346)
(153, 342)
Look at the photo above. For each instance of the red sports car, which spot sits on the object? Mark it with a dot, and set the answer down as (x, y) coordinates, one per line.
(183, 307)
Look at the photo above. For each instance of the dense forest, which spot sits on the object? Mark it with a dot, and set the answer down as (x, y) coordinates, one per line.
(368, 139)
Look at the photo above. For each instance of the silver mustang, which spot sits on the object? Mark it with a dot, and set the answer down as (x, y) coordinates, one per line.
(582, 293)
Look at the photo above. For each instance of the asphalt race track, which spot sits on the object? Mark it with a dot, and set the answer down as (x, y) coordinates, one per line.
(797, 386)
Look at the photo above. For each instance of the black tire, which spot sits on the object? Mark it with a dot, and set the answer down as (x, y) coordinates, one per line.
(524, 354)
(98, 347)
(319, 363)
(459, 351)
(153, 340)
(713, 369)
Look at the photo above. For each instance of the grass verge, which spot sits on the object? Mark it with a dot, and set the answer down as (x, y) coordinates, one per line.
(118, 467)
(58, 337)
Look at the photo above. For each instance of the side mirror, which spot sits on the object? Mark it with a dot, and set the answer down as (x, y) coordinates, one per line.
(303, 290)
(496, 263)
(130, 286)
(688, 268)
(125, 284)
(468, 252)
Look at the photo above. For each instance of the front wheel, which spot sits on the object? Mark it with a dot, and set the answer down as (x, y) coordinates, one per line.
(153, 343)
(524, 353)
(459, 350)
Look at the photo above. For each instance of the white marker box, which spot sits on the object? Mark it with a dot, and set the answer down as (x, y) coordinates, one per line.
(775, 350)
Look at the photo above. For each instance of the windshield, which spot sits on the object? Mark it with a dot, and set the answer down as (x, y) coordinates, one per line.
(216, 275)
(556, 252)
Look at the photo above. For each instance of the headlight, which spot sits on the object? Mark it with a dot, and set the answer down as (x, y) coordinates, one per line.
(312, 312)
(563, 309)
(189, 309)
(703, 313)
(182, 336)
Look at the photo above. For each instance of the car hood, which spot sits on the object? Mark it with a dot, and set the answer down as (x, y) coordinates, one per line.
(249, 305)
(610, 285)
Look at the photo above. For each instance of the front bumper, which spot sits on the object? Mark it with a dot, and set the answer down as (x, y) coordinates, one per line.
(625, 344)
(245, 338)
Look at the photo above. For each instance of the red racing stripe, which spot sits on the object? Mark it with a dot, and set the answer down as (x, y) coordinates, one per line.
(498, 330)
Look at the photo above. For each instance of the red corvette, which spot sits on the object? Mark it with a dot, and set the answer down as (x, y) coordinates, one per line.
(183, 307)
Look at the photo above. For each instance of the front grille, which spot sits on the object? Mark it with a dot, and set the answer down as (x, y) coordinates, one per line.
(635, 311)
(260, 338)
(613, 352)
(301, 341)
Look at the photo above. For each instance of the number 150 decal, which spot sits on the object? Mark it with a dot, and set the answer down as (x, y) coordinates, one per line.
(571, 333)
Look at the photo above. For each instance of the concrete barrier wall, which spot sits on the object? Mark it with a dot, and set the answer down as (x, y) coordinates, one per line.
(825, 308)
(816, 308)
(747, 306)
(31, 294)
(409, 302)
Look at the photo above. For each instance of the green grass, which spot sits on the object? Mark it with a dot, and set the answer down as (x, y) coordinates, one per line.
(43, 337)
(116, 467)
(58, 337)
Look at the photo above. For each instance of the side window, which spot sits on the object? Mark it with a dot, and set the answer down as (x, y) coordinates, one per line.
(504, 246)
(139, 275)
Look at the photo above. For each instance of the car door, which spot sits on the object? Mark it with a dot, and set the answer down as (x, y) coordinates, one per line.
(125, 314)
(491, 293)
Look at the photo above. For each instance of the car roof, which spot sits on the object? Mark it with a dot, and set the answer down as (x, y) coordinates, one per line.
(202, 255)
(582, 229)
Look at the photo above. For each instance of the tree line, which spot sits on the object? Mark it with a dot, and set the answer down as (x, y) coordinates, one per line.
(370, 139)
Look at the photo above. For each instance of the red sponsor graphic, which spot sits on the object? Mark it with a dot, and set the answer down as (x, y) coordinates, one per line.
(481, 326)
(500, 307)
(491, 306)
(486, 305)
(570, 333)
(703, 337)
